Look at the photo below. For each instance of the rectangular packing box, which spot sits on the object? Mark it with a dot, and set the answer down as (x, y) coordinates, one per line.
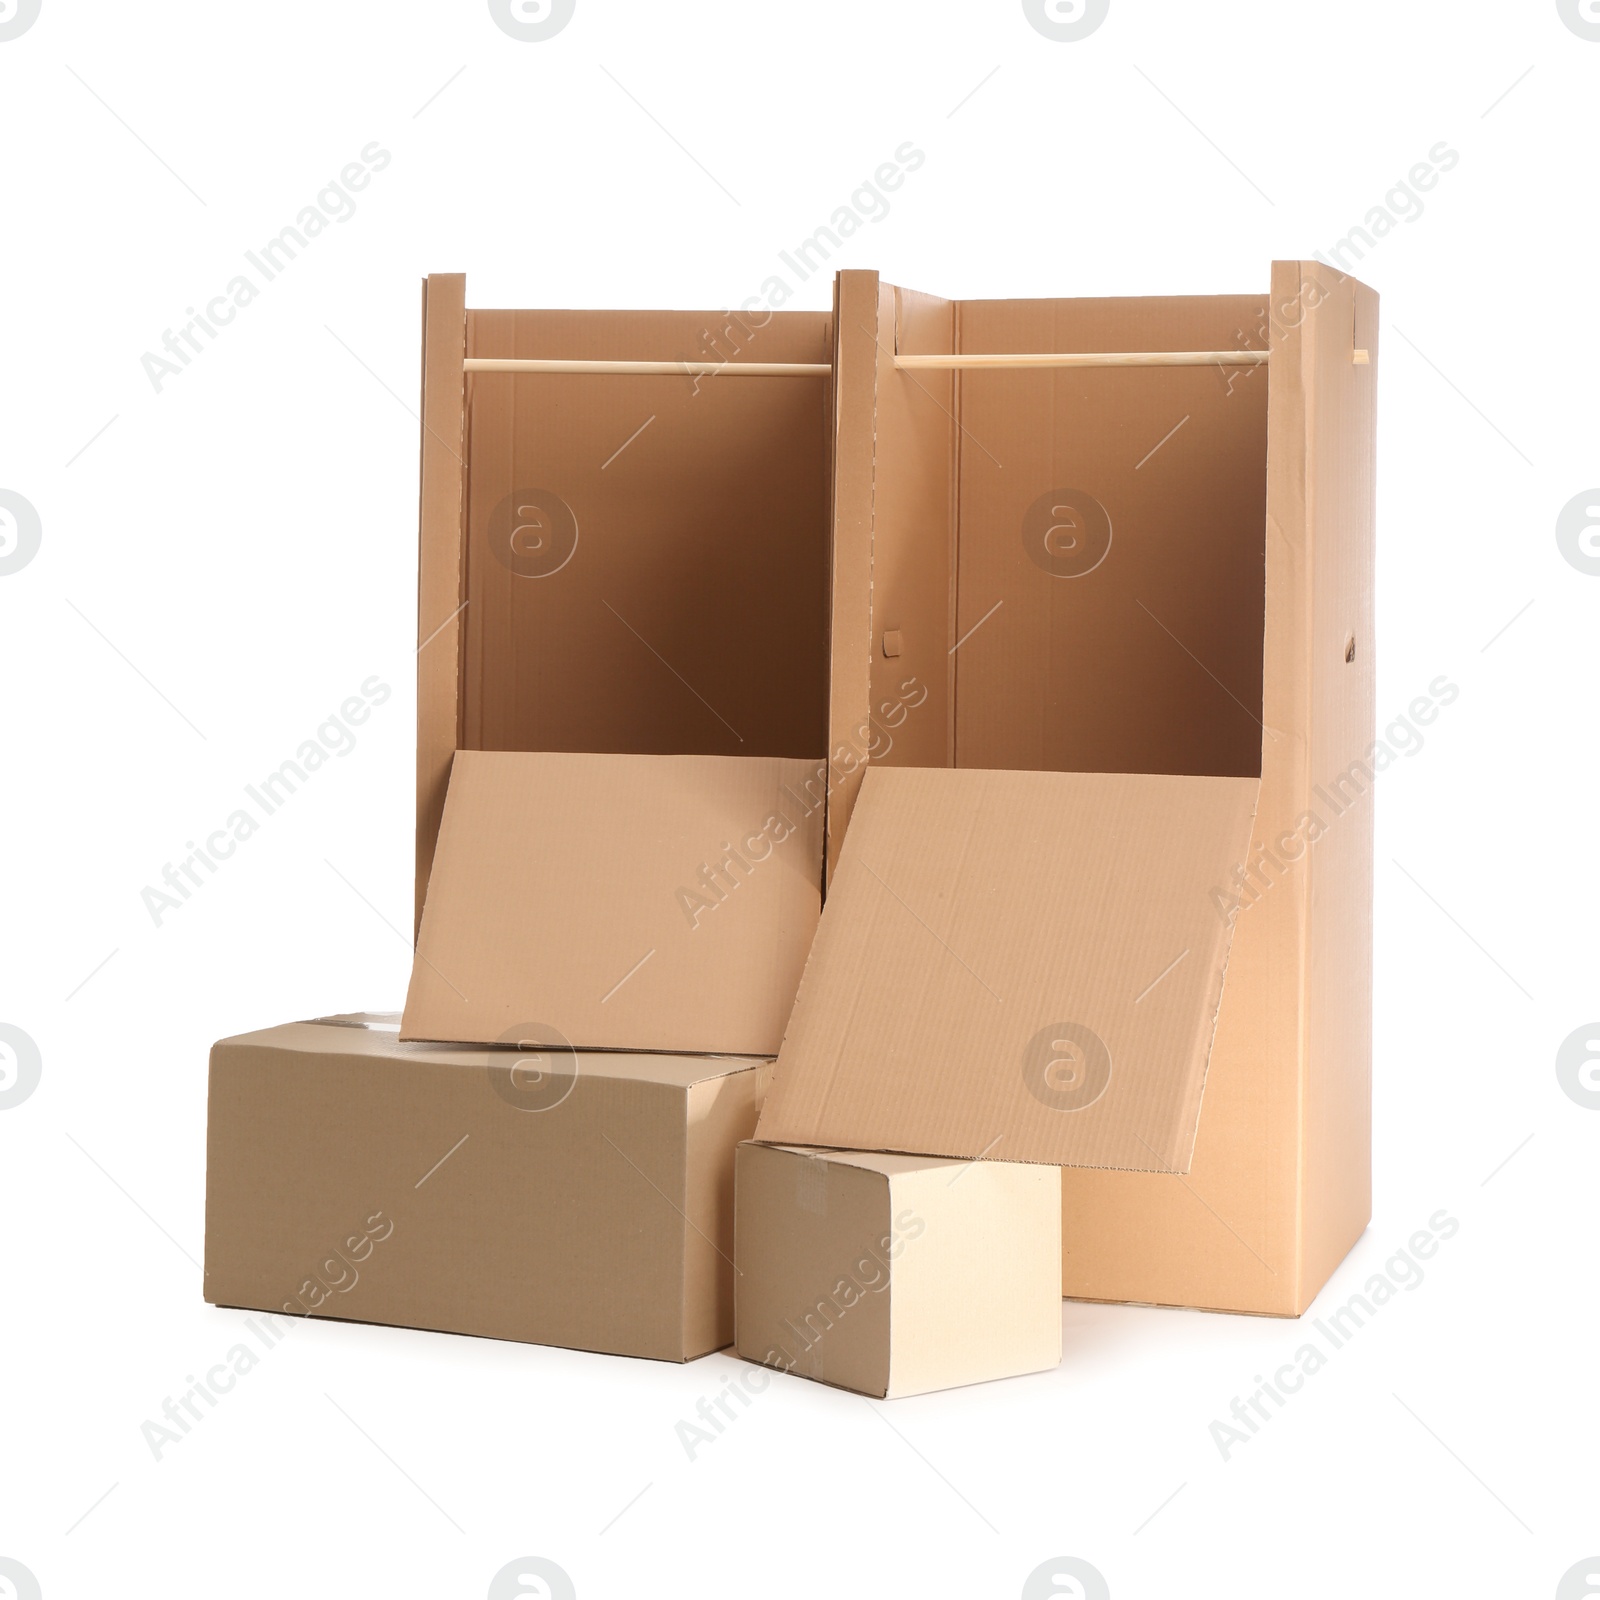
(1102, 895)
(569, 1198)
(895, 1275)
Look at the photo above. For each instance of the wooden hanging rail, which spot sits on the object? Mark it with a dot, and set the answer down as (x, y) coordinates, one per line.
(935, 363)
(676, 369)
(1102, 358)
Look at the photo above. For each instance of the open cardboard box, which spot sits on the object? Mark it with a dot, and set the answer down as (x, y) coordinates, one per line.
(1090, 657)
(622, 627)
(1121, 622)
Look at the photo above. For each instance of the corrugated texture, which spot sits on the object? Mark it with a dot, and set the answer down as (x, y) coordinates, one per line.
(852, 735)
(721, 1112)
(913, 536)
(812, 1293)
(1341, 427)
(1022, 966)
(352, 1176)
(896, 1275)
(440, 568)
(630, 902)
(1280, 1184)
(1143, 654)
(671, 597)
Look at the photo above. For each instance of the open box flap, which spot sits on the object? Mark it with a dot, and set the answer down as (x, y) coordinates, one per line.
(1023, 966)
(619, 902)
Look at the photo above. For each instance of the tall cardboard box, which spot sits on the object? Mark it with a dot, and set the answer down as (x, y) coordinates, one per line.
(629, 564)
(1082, 617)
(622, 673)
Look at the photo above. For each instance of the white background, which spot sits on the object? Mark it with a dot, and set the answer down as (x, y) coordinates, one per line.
(225, 561)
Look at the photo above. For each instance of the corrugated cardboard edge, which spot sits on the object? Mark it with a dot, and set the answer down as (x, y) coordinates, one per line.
(1177, 1154)
(856, 336)
(1182, 1168)
(441, 574)
(1339, 420)
(720, 1114)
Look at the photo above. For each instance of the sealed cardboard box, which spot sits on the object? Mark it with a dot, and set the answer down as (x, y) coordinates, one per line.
(896, 1275)
(567, 1198)
(1116, 613)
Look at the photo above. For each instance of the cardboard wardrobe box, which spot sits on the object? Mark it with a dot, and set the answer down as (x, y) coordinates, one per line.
(567, 1198)
(623, 630)
(1115, 848)
(896, 1275)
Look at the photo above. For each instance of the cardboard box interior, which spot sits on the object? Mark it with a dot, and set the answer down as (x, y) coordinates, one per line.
(624, 564)
(1155, 570)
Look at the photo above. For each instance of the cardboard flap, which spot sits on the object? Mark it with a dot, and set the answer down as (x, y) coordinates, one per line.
(1024, 966)
(619, 902)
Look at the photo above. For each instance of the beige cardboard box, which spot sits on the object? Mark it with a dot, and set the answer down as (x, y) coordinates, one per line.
(895, 1275)
(622, 675)
(620, 563)
(621, 902)
(564, 1198)
(1119, 620)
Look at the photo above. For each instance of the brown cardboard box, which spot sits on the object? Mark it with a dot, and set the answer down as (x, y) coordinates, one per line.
(622, 629)
(619, 564)
(632, 902)
(895, 1275)
(573, 1199)
(1160, 572)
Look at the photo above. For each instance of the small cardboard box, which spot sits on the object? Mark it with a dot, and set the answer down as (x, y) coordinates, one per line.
(573, 1198)
(1109, 632)
(895, 1275)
